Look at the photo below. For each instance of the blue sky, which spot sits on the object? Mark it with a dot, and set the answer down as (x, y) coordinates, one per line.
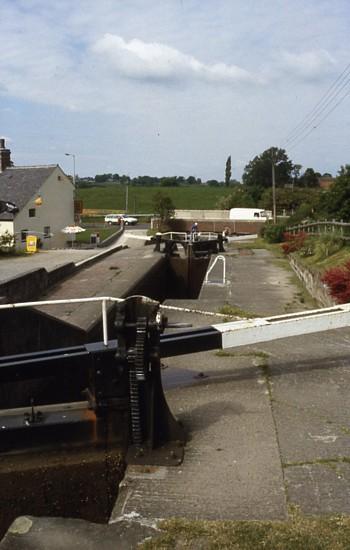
(170, 87)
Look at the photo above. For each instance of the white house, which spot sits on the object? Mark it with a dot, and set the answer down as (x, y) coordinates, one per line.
(44, 196)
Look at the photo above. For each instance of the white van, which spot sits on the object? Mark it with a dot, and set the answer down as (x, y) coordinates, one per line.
(248, 214)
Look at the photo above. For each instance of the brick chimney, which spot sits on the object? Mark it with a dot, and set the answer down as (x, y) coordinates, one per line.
(5, 156)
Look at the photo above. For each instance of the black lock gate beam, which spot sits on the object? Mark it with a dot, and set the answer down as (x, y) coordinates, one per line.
(126, 373)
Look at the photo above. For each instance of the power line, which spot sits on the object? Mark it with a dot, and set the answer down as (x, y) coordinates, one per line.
(325, 98)
(318, 104)
(314, 121)
(322, 119)
(311, 119)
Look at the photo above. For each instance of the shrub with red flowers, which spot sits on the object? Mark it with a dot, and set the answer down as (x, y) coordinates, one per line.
(293, 242)
(338, 281)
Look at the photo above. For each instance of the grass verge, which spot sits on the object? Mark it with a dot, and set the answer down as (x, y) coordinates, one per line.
(84, 237)
(297, 533)
(235, 311)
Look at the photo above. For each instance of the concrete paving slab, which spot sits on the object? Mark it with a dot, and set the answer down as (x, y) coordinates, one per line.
(319, 489)
(258, 285)
(49, 259)
(232, 466)
(113, 276)
(309, 379)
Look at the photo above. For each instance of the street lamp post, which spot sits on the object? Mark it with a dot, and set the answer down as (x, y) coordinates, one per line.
(274, 162)
(76, 211)
(72, 155)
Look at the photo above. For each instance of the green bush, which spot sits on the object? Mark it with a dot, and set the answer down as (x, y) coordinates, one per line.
(326, 245)
(308, 248)
(7, 243)
(273, 233)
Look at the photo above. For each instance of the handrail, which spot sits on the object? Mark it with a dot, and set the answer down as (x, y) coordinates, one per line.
(170, 235)
(193, 236)
(220, 257)
(102, 299)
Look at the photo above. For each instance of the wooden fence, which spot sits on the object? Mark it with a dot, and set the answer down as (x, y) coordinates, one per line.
(322, 227)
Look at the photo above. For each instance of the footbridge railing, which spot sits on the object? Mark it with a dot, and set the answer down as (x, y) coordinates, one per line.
(197, 242)
(183, 236)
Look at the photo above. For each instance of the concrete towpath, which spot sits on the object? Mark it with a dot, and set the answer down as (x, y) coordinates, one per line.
(268, 426)
(51, 259)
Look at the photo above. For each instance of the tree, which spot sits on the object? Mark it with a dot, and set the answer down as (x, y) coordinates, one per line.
(228, 171)
(335, 203)
(238, 198)
(101, 178)
(258, 172)
(309, 178)
(213, 183)
(290, 200)
(169, 181)
(163, 206)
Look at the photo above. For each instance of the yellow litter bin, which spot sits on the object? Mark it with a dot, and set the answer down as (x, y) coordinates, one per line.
(31, 242)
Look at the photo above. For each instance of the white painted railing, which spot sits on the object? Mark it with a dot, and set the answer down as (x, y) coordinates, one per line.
(103, 299)
(175, 236)
(223, 259)
(189, 237)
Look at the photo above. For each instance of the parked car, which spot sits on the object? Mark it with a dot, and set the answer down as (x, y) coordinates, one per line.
(117, 219)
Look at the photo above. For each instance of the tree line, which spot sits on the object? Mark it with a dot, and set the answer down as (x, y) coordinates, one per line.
(256, 176)
(298, 191)
(147, 181)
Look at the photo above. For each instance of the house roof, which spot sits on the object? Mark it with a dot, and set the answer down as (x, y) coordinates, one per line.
(19, 184)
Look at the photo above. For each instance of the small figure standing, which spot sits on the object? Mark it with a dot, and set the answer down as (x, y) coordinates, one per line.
(194, 231)
(226, 232)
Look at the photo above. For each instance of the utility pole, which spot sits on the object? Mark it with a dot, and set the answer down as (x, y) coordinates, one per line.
(273, 193)
(126, 198)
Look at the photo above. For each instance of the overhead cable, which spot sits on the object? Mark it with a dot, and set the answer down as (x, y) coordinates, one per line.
(322, 109)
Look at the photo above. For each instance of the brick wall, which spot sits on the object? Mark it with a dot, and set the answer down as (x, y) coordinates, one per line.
(235, 227)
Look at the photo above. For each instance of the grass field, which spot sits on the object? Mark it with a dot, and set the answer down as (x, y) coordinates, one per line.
(84, 237)
(112, 198)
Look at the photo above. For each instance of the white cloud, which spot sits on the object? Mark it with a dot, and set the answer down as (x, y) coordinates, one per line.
(308, 65)
(154, 61)
(163, 87)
